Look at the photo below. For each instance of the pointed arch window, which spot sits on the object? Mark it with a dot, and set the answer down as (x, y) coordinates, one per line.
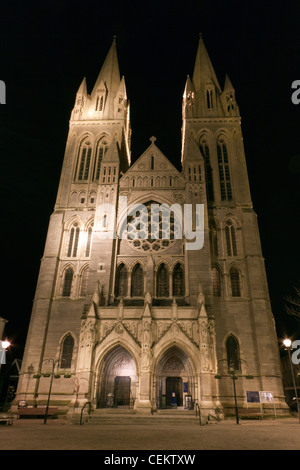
(67, 283)
(121, 281)
(137, 281)
(88, 242)
(216, 281)
(178, 281)
(85, 153)
(230, 239)
(101, 151)
(214, 239)
(99, 103)
(209, 98)
(224, 174)
(73, 241)
(84, 281)
(235, 282)
(233, 353)
(67, 352)
(162, 281)
(204, 148)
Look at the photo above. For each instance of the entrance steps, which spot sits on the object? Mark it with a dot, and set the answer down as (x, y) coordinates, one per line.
(130, 417)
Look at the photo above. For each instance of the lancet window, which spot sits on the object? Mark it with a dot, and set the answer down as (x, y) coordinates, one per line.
(162, 281)
(178, 281)
(137, 281)
(233, 353)
(66, 352)
(67, 282)
(235, 282)
(85, 153)
(224, 174)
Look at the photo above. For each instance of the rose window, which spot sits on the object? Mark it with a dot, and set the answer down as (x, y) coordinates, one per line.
(153, 227)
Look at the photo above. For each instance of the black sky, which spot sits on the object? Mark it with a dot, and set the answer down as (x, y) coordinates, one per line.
(48, 47)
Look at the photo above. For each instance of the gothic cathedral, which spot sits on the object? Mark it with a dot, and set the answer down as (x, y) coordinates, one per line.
(128, 313)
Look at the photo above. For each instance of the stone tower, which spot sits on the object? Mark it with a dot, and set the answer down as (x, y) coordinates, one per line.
(139, 302)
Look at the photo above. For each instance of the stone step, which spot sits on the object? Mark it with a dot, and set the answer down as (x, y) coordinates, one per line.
(134, 418)
(139, 421)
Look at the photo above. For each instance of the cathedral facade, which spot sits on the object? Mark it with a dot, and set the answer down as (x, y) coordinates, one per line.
(139, 302)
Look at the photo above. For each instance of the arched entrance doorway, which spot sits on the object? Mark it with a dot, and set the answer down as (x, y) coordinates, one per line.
(117, 380)
(175, 380)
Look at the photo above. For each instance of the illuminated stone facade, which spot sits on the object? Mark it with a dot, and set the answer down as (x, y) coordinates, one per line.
(149, 323)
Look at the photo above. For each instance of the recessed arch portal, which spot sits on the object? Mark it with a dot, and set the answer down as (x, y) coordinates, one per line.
(117, 379)
(175, 378)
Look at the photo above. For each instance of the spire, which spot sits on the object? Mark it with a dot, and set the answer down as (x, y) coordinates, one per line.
(82, 89)
(80, 101)
(203, 69)
(108, 82)
(228, 99)
(202, 94)
(109, 73)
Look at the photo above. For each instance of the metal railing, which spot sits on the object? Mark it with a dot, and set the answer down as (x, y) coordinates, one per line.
(198, 412)
(82, 410)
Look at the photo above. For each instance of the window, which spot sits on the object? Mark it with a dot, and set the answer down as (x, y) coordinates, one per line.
(67, 352)
(209, 98)
(99, 103)
(178, 281)
(121, 281)
(234, 275)
(73, 241)
(162, 281)
(233, 353)
(101, 151)
(230, 239)
(88, 242)
(216, 282)
(137, 281)
(208, 170)
(84, 280)
(85, 153)
(67, 284)
(214, 240)
(152, 162)
(225, 184)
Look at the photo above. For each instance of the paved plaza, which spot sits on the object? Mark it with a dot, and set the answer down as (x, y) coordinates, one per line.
(33, 434)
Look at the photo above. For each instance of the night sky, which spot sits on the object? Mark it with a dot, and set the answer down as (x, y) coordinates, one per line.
(47, 47)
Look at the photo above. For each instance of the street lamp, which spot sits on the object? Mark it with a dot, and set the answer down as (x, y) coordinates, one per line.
(288, 345)
(50, 387)
(5, 344)
(232, 373)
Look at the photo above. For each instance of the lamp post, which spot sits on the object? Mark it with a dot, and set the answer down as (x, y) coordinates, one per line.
(288, 346)
(233, 375)
(50, 387)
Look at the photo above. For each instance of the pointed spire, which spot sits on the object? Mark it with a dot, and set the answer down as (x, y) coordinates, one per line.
(228, 84)
(109, 72)
(82, 90)
(189, 87)
(228, 99)
(203, 69)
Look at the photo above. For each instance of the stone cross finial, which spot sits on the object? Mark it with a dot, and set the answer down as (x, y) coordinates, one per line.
(152, 139)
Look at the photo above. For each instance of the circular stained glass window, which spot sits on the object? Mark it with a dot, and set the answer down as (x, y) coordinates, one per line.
(152, 227)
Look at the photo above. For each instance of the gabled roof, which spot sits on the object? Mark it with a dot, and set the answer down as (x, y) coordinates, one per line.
(143, 163)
